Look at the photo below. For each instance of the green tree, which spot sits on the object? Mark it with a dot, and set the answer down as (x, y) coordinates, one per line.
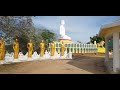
(21, 27)
(36, 41)
(42, 34)
(97, 39)
(48, 37)
(23, 40)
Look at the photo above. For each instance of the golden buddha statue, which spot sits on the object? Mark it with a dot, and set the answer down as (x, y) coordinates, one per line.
(62, 49)
(16, 48)
(42, 48)
(3, 48)
(30, 48)
(1, 53)
(52, 48)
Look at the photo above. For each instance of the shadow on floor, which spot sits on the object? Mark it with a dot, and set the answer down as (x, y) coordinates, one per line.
(89, 63)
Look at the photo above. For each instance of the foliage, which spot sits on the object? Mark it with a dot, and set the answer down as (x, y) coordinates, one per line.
(23, 40)
(9, 48)
(97, 39)
(88, 43)
(21, 27)
(48, 37)
(16, 25)
(36, 41)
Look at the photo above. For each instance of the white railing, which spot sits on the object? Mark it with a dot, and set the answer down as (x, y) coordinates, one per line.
(77, 48)
(9, 58)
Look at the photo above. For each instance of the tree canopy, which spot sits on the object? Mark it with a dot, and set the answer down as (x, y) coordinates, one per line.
(21, 27)
(97, 39)
(15, 26)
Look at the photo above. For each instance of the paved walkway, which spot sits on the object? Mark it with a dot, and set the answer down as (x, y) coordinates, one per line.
(81, 64)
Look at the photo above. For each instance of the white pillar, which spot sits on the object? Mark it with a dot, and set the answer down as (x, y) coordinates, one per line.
(69, 49)
(115, 51)
(106, 50)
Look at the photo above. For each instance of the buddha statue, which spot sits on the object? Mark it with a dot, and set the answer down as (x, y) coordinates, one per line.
(62, 31)
(52, 48)
(30, 48)
(16, 48)
(3, 48)
(62, 49)
(42, 48)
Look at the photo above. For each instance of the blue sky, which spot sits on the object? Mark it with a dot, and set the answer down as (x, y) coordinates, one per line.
(79, 28)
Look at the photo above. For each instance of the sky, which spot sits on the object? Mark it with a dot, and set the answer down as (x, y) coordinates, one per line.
(79, 28)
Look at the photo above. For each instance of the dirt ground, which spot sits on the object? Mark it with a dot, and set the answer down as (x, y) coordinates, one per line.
(80, 64)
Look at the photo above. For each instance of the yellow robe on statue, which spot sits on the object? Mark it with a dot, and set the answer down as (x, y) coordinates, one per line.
(42, 49)
(1, 50)
(30, 49)
(52, 49)
(62, 49)
(16, 49)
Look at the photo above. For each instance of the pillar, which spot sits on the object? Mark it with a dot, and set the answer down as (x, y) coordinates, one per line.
(69, 49)
(73, 50)
(106, 49)
(115, 51)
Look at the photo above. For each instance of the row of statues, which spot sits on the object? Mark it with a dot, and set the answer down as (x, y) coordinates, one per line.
(29, 47)
(53, 49)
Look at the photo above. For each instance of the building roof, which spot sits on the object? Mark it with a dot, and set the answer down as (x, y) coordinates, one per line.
(115, 23)
(105, 28)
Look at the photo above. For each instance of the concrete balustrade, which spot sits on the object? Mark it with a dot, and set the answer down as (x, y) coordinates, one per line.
(9, 58)
(77, 48)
